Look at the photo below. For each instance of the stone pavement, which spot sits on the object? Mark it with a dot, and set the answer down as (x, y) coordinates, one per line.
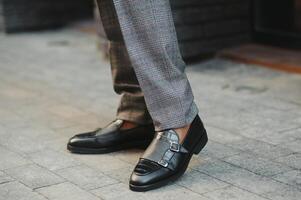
(55, 84)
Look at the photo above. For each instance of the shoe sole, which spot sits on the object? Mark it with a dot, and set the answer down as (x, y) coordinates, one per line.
(196, 150)
(132, 145)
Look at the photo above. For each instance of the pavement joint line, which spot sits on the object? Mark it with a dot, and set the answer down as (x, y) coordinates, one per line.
(233, 183)
(290, 129)
(37, 188)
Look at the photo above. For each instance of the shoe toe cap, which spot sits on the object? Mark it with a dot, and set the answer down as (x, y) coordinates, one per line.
(147, 172)
(78, 141)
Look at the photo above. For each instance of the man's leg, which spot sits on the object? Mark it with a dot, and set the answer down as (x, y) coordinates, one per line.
(133, 126)
(150, 37)
(132, 104)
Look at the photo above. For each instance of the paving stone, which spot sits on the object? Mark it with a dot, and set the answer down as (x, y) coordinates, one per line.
(15, 190)
(197, 161)
(287, 193)
(34, 176)
(11, 119)
(53, 121)
(291, 177)
(123, 174)
(66, 191)
(3, 130)
(274, 114)
(66, 111)
(200, 182)
(10, 159)
(130, 156)
(117, 191)
(278, 138)
(296, 133)
(222, 136)
(85, 177)
(105, 162)
(278, 104)
(239, 177)
(293, 160)
(232, 122)
(262, 149)
(217, 150)
(257, 165)
(293, 145)
(53, 160)
(34, 137)
(259, 126)
(4, 178)
(231, 193)
(173, 191)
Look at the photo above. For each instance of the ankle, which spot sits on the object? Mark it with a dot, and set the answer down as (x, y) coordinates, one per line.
(182, 132)
(128, 125)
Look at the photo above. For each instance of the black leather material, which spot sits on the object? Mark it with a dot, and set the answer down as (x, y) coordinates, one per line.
(163, 148)
(165, 159)
(112, 138)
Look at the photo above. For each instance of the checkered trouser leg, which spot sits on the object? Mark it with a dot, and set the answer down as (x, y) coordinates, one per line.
(151, 42)
(132, 105)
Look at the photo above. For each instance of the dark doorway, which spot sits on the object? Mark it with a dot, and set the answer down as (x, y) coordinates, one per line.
(277, 22)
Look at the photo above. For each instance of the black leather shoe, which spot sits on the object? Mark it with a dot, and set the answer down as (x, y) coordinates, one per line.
(166, 159)
(111, 138)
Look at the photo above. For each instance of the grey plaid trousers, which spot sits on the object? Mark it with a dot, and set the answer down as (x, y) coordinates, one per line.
(147, 67)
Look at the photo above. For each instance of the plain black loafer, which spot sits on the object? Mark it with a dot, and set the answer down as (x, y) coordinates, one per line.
(166, 159)
(111, 138)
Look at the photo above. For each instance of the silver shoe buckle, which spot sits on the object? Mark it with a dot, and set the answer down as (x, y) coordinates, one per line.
(174, 147)
(162, 162)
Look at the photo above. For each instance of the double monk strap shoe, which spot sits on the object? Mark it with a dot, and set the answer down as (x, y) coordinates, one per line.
(166, 159)
(111, 138)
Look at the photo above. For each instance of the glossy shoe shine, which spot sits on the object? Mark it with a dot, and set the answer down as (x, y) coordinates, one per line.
(166, 159)
(111, 138)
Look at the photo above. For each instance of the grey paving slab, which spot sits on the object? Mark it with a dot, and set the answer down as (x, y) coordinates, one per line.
(200, 182)
(28, 139)
(239, 177)
(122, 174)
(104, 162)
(4, 178)
(291, 177)
(257, 165)
(17, 191)
(53, 160)
(222, 136)
(11, 119)
(231, 193)
(66, 111)
(293, 145)
(117, 191)
(292, 160)
(10, 159)
(130, 156)
(85, 177)
(34, 176)
(66, 191)
(173, 192)
(279, 138)
(296, 133)
(287, 193)
(217, 150)
(260, 148)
